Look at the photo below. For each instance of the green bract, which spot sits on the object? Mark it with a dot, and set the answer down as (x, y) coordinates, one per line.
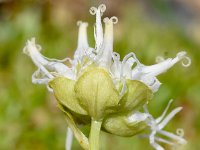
(94, 94)
(64, 91)
(119, 125)
(136, 95)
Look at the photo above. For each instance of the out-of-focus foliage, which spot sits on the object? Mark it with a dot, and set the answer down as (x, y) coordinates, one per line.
(29, 118)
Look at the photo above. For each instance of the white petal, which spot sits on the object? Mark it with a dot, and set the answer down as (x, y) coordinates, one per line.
(116, 66)
(105, 53)
(179, 139)
(147, 74)
(98, 26)
(39, 77)
(159, 139)
(31, 49)
(47, 67)
(82, 41)
(127, 65)
(169, 117)
(154, 144)
(159, 119)
(82, 35)
(163, 66)
(137, 116)
(156, 127)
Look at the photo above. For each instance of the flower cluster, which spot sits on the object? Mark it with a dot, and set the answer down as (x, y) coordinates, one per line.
(100, 88)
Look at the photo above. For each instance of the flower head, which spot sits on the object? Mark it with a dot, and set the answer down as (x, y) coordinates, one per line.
(102, 56)
(98, 84)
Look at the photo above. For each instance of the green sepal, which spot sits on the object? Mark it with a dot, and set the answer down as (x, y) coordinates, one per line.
(63, 89)
(81, 138)
(119, 125)
(137, 94)
(96, 92)
(78, 118)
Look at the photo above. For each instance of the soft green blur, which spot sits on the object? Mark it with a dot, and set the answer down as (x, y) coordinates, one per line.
(29, 117)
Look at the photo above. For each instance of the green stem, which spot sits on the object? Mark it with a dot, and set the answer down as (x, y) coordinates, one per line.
(94, 134)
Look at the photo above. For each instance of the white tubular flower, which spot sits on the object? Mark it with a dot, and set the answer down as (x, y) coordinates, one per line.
(99, 86)
(157, 125)
(102, 55)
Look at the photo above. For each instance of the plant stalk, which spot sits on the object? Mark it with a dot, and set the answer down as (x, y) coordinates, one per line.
(94, 134)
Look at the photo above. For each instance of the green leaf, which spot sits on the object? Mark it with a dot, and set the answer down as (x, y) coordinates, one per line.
(96, 92)
(64, 92)
(137, 95)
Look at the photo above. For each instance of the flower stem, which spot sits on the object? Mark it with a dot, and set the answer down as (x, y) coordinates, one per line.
(94, 134)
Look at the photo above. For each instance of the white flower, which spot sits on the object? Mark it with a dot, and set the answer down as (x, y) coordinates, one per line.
(102, 55)
(157, 125)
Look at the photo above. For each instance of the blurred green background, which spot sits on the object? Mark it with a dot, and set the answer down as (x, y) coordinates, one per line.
(29, 118)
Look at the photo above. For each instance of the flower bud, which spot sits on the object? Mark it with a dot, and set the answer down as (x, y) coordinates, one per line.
(121, 125)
